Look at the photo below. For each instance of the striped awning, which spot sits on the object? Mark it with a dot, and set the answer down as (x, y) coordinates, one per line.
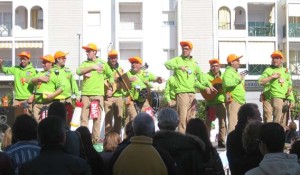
(5, 45)
(29, 44)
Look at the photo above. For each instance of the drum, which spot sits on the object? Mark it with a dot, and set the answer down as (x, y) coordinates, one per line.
(154, 100)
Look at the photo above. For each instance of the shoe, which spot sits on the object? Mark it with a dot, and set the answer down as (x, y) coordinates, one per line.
(221, 145)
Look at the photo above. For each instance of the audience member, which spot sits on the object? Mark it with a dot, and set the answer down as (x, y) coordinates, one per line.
(24, 141)
(91, 155)
(72, 144)
(53, 159)
(291, 132)
(140, 156)
(186, 150)
(5, 164)
(252, 156)
(296, 149)
(111, 141)
(235, 151)
(213, 163)
(7, 139)
(275, 161)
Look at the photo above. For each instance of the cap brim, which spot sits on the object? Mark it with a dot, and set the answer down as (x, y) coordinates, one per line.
(21, 55)
(276, 55)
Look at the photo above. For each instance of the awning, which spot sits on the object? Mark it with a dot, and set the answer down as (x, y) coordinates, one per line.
(29, 44)
(5, 45)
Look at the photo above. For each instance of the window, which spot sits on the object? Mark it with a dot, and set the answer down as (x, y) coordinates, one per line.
(224, 18)
(94, 18)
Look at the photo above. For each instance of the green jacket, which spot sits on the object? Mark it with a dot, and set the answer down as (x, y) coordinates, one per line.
(186, 80)
(70, 82)
(220, 97)
(93, 82)
(233, 83)
(55, 82)
(277, 89)
(170, 89)
(143, 80)
(22, 78)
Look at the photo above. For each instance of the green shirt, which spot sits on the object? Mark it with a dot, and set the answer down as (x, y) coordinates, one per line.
(93, 82)
(220, 97)
(278, 89)
(70, 82)
(186, 80)
(22, 78)
(143, 80)
(55, 82)
(169, 93)
(233, 83)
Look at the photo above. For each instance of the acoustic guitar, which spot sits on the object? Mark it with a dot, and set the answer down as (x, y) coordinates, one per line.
(217, 84)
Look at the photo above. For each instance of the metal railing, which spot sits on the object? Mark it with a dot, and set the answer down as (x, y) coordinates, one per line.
(261, 29)
(5, 29)
(294, 30)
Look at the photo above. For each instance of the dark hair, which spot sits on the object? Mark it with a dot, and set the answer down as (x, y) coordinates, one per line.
(129, 130)
(143, 124)
(197, 128)
(58, 109)
(296, 148)
(246, 112)
(250, 136)
(24, 128)
(272, 134)
(87, 143)
(167, 119)
(51, 131)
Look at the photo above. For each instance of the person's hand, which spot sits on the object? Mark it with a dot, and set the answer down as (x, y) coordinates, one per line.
(30, 99)
(213, 89)
(183, 68)
(242, 77)
(133, 78)
(109, 93)
(159, 80)
(49, 96)
(98, 68)
(275, 75)
(43, 79)
(208, 91)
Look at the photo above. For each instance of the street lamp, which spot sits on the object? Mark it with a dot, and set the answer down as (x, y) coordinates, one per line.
(79, 55)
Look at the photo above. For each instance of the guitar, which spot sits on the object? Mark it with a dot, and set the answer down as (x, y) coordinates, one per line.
(217, 84)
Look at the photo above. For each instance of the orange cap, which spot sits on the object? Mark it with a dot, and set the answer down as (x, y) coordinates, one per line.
(135, 59)
(276, 53)
(186, 43)
(233, 57)
(214, 60)
(49, 58)
(25, 54)
(60, 54)
(112, 53)
(90, 46)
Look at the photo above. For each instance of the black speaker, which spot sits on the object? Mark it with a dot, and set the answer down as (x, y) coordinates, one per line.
(8, 114)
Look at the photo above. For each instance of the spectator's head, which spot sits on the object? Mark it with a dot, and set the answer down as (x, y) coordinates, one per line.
(296, 148)
(197, 127)
(271, 137)
(143, 125)
(111, 141)
(250, 136)
(246, 113)
(129, 130)
(24, 128)
(51, 131)
(58, 109)
(167, 119)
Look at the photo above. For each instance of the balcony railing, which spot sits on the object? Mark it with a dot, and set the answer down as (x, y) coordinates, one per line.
(5, 29)
(261, 29)
(294, 30)
(257, 69)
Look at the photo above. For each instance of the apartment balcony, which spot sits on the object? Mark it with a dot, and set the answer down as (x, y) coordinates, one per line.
(130, 30)
(261, 29)
(257, 69)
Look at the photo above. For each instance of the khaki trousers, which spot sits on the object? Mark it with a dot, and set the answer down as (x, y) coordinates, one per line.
(221, 115)
(232, 110)
(131, 111)
(37, 110)
(184, 106)
(113, 108)
(28, 110)
(267, 112)
(86, 100)
(279, 115)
